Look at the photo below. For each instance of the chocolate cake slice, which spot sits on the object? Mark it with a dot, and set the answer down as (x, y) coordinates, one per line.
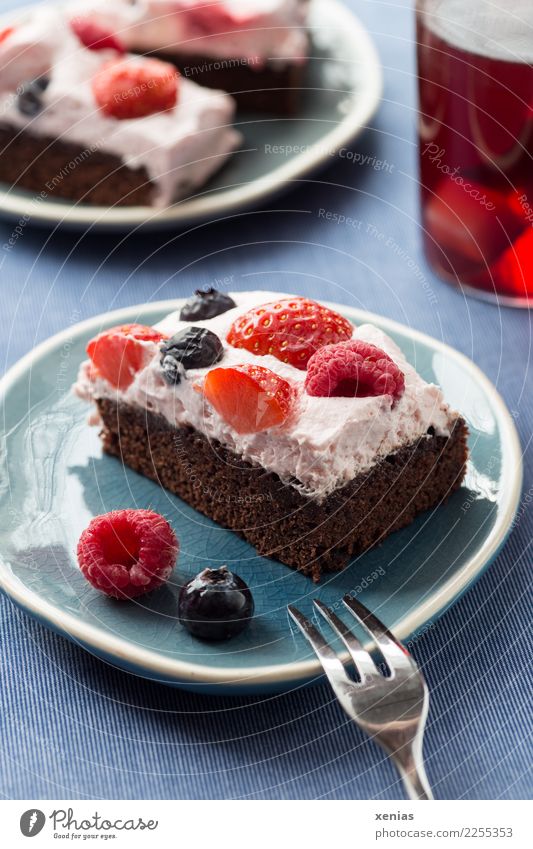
(313, 459)
(256, 50)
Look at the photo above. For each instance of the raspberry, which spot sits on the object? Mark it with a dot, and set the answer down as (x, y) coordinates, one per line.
(119, 353)
(94, 36)
(290, 329)
(249, 398)
(133, 88)
(353, 369)
(126, 553)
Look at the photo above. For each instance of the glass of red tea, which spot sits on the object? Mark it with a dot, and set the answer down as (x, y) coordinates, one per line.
(475, 73)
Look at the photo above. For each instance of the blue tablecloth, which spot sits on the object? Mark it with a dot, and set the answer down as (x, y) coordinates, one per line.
(73, 727)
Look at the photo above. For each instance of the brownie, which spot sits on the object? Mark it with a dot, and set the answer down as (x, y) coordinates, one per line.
(58, 169)
(311, 535)
(267, 89)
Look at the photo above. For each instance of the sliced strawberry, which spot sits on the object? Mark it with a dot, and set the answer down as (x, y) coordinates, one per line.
(133, 88)
(471, 221)
(5, 33)
(290, 329)
(94, 36)
(249, 398)
(119, 353)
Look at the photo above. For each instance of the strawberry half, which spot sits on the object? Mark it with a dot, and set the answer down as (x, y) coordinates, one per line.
(94, 36)
(5, 33)
(249, 398)
(291, 329)
(119, 353)
(134, 88)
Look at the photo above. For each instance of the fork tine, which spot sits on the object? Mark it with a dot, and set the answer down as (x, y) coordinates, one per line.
(331, 664)
(364, 664)
(392, 650)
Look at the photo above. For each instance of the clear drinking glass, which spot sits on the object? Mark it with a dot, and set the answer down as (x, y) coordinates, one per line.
(475, 72)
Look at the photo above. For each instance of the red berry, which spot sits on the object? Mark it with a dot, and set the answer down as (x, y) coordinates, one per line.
(249, 398)
(126, 553)
(5, 33)
(353, 369)
(94, 36)
(133, 88)
(119, 353)
(290, 329)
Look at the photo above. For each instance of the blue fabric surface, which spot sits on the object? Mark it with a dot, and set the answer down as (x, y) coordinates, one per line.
(73, 727)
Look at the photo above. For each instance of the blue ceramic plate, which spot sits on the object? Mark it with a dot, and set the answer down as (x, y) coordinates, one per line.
(342, 89)
(54, 479)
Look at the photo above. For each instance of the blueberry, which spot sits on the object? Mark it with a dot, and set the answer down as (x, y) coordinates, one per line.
(216, 605)
(206, 304)
(29, 99)
(194, 347)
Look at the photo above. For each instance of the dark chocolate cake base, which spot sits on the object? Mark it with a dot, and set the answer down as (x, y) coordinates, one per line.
(270, 88)
(57, 169)
(311, 536)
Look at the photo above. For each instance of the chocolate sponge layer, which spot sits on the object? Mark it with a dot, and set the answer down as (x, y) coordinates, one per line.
(309, 535)
(270, 88)
(67, 171)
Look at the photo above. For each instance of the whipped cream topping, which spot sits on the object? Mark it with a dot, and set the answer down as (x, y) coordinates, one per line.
(254, 30)
(28, 51)
(179, 148)
(324, 444)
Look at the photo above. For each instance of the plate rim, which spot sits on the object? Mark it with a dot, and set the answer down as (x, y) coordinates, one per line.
(241, 197)
(178, 672)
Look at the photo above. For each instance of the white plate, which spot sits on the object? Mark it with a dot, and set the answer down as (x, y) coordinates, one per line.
(342, 90)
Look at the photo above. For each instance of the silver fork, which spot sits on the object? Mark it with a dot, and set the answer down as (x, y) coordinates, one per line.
(391, 710)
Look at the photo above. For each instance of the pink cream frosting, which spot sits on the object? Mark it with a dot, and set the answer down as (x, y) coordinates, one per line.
(324, 444)
(254, 30)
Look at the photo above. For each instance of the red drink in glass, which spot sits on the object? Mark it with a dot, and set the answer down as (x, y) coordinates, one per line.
(475, 68)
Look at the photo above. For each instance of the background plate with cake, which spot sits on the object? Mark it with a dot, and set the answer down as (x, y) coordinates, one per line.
(145, 144)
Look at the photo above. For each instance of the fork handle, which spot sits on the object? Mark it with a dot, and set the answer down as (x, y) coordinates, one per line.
(410, 764)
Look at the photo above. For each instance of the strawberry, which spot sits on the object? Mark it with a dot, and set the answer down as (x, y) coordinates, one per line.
(290, 329)
(133, 88)
(119, 353)
(249, 398)
(5, 33)
(94, 36)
